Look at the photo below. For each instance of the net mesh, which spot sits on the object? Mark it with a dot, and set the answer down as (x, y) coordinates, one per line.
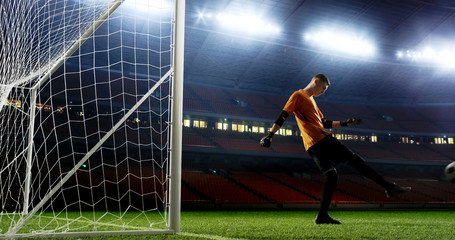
(54, 178)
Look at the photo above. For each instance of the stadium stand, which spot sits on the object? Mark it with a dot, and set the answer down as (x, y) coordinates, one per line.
(219, 189)
(189, 196)
(374, 150)
(445, 150)
(312, 188)
(193, 102)
(415, 152)
(230, 140)
(221, 102)
(271, 189)
(191, 138)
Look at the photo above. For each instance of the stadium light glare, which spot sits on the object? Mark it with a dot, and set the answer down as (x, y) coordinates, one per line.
(308, 37)
(429, 52)
(441, 57)
(351, 43)
(245, 23)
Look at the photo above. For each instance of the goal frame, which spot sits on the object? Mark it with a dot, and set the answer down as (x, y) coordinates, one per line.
(175, 149)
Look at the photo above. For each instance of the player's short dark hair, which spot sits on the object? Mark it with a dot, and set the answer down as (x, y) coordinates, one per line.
(322, 77)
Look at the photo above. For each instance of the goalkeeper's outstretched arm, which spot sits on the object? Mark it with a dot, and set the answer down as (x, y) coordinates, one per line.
(267, 140)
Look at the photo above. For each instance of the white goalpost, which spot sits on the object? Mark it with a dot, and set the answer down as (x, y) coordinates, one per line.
(91, 103)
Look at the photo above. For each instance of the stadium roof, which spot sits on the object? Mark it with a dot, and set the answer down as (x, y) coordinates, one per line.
(276, 46)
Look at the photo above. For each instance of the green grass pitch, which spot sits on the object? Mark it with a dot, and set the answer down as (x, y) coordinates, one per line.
(415, 224)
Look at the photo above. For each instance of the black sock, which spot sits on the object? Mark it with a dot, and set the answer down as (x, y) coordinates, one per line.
(330, 183)
(359, 164)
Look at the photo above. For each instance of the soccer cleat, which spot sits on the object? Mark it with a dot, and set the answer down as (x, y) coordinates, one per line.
(396, 190)
(326, 220)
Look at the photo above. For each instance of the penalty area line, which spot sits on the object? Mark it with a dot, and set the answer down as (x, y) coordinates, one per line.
(214, 237)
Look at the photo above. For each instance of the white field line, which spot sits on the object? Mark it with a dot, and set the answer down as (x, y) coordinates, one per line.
(187, 234)
(214, 237)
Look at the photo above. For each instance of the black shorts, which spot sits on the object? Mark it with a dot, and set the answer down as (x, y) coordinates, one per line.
(329, 151)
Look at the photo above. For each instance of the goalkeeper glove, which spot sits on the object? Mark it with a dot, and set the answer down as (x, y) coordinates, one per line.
(267, 140)
(351, 121)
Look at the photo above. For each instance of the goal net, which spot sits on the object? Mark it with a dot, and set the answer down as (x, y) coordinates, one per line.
(87, 89)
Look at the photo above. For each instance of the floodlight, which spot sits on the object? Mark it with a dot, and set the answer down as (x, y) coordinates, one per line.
(246, 23)
(308, 37)
(444, 57)
(429, 53)
(330, 40)
(409, 54)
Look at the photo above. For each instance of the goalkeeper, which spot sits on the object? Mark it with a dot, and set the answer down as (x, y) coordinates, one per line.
(325, 150)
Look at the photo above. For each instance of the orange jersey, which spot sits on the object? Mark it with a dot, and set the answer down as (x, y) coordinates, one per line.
(308, 116)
